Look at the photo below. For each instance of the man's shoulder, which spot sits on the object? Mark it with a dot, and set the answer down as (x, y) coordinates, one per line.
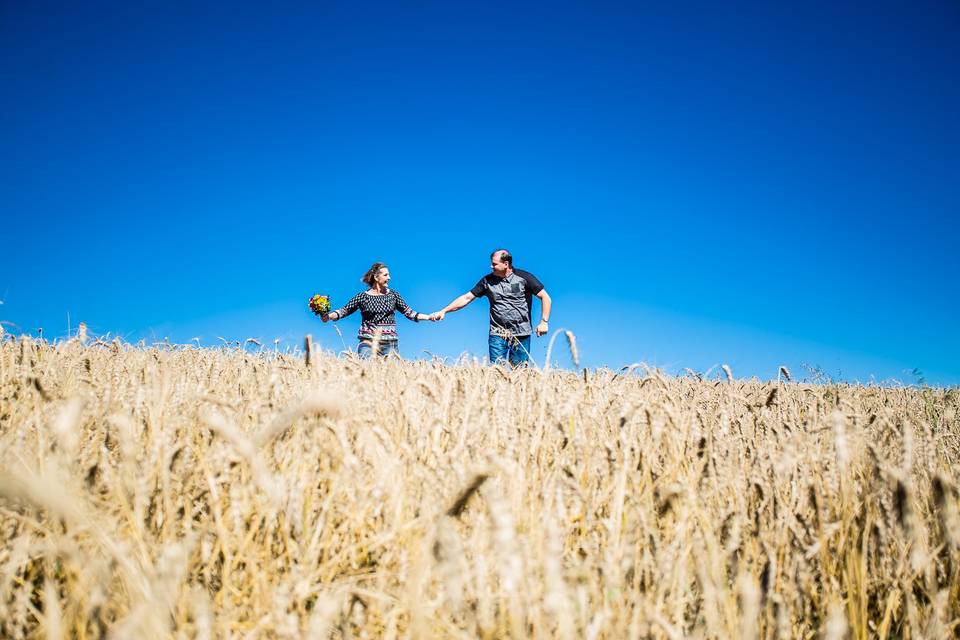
(529, 277)
(482, 287)
(533, 282)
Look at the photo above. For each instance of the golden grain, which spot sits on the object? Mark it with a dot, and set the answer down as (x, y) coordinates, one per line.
(172, 492)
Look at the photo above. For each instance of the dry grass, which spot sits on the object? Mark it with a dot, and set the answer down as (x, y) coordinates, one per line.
(180, 492)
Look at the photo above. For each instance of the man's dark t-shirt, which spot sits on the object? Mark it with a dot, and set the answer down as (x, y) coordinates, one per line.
(511, 300)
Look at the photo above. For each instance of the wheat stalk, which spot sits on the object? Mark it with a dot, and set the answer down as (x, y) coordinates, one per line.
(157, 491)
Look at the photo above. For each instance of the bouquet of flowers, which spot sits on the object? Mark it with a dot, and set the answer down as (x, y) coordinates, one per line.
(320, 305)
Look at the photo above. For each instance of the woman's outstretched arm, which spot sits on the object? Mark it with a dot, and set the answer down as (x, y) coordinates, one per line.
(345, 310)
(409, 313)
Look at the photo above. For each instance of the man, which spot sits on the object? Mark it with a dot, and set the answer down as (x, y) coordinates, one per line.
(510, 292)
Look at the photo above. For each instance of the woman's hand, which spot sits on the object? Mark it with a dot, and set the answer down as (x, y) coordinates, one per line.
(325, 317)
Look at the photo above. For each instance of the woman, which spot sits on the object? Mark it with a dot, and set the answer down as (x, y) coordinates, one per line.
(377, 305)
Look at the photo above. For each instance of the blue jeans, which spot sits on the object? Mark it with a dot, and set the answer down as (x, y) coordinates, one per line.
(514, 350)
(365, 349)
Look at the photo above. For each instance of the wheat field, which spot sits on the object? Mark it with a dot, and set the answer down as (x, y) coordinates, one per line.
(179, 492)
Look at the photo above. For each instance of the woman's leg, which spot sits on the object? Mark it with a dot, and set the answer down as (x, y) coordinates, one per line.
(364, 350)
(388, 348)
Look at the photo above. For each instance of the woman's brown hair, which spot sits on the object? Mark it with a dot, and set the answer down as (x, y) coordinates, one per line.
(368, 277)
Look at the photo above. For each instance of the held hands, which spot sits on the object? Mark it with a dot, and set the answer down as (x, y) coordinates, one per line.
(542, 328)
(437, 316)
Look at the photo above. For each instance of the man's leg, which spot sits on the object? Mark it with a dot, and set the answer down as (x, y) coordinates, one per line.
(520, 351)
(364, 350)
(498, 349)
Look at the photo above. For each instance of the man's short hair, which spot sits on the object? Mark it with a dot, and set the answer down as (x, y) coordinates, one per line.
(504, 256)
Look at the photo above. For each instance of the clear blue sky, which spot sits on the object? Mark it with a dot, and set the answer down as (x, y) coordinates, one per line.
(696, 183)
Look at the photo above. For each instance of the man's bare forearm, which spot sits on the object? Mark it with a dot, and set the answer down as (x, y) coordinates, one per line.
(546, 304)
(459, 303)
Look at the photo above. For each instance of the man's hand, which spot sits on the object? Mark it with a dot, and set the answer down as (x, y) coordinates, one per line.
(437, 316)
(542, 328)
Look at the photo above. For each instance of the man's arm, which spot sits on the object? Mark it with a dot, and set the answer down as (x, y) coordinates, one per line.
(545, 305)
(458, 303)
